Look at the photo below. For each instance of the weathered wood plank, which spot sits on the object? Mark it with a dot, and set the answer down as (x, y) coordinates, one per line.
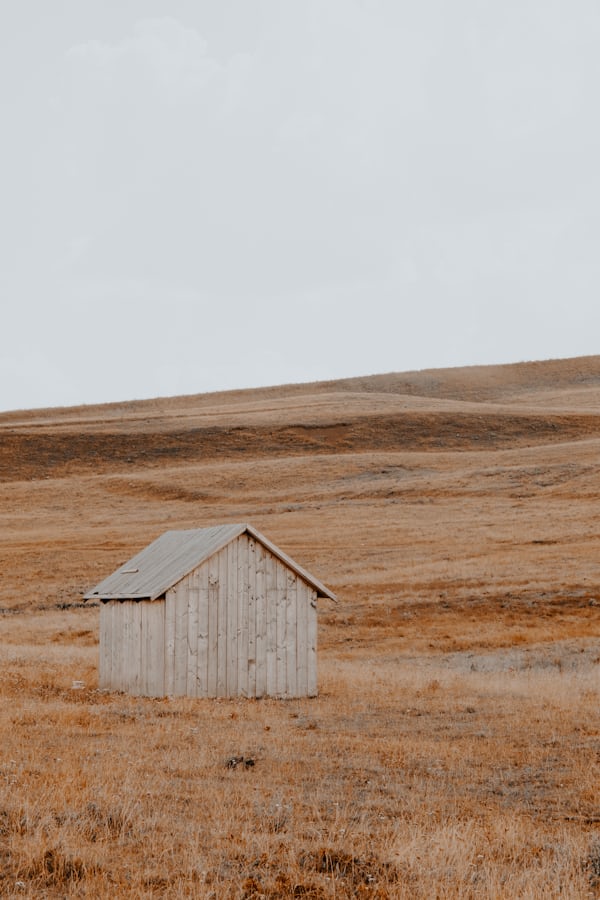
(170, 604)
(312, 644)
(193, 596)
(120, 621)
(117, 633)
(232, 619)
(160, 647)
(222, 625)
(146, 650)
(281, 646)
(213, 624)
(291, 634)
(125, 644)
(203, 601)
(105, 660)
(145, 664)
(137, 674)
(101, 648)
(251, 646)
(271, 579)
(130, 653)
(135, 649)
(181, 608)
(261, 619)
(242, 601)
(303, 600)
(155, 642)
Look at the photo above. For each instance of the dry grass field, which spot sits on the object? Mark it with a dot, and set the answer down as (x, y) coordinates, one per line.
(454, 747)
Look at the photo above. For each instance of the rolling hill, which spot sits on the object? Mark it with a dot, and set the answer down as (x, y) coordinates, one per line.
(453, 749)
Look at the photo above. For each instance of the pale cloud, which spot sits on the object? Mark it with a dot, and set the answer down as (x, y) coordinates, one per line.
(162, 50)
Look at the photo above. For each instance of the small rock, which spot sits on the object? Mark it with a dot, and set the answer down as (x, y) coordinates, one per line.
(234, 761)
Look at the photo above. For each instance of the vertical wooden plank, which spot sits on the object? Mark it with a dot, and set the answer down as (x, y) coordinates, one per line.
(105, 645)
(131, 649)
(170, 643)
(213, 624)
(193, 593)
(123, 632)
(181, 609)
(251, 579)
(155, 643)
(303, 600)
(148, 661)
(223, 595)
(160, 646)
(145, 661)
(135, 647)
(117, 630)
(271, 577)
(101, 647)
(124, 645)
(291, 603)
(121, 636)
(137, 631)
(312, 644)
(261, 619)
(203, 601)
(146, 649)
(242, 597)
(280, 655)
(232, 619)
(102, 655)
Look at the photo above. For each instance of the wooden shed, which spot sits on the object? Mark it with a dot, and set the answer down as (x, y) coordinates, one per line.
(211, 612)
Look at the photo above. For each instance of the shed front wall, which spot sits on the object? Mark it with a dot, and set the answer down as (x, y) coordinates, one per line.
(241, 625)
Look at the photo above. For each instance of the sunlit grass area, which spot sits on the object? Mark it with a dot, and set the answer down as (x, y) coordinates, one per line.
(406, 777)
(453, 750)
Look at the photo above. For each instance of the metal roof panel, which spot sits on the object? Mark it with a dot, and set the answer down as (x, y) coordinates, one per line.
(168, 559)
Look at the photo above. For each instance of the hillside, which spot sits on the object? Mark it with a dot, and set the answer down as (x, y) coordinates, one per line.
(454, 513)
(381, 483)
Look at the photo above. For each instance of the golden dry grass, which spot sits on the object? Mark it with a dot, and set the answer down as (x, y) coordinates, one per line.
(454, 748)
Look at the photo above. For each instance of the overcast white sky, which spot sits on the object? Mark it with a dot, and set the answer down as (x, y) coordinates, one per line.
(207, 194)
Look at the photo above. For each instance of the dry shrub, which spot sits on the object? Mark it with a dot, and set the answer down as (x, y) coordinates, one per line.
(349, 870)
(592, 865)
(54, 867)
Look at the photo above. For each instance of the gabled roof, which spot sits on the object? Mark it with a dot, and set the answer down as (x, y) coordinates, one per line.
(168, 559)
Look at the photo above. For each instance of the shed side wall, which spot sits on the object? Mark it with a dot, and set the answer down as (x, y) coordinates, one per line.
(132, 647)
